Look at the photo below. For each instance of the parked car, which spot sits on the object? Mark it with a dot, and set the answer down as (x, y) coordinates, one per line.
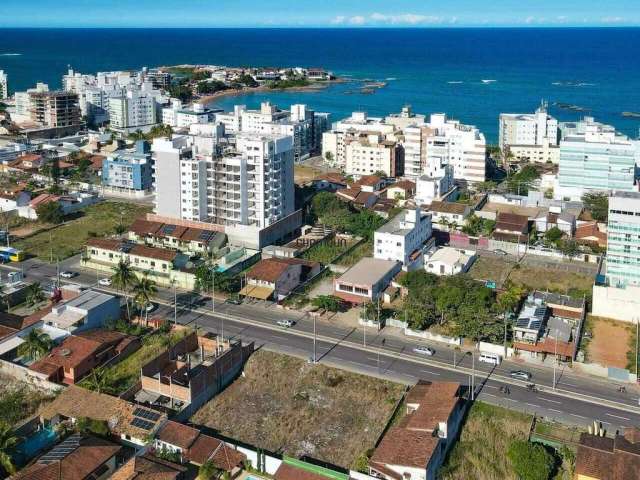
(68, 274)
(422, 350)
(500, 252)
(150, 307)
(105, 282)
(286, 323)
(520, 375)
(233, 301)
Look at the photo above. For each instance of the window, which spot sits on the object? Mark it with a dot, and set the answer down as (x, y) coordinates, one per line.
(361, 291)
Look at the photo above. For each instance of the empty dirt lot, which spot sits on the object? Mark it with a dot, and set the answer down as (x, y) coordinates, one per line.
(285, 405)
(610, 342)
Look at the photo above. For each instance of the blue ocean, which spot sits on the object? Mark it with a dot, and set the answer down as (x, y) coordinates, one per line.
(434, 70)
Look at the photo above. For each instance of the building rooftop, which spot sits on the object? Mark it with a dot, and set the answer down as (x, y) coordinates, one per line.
(368, 271)
(76, 457)
(148, 467)
(615, 458)
(448, 207)
(449, 256)
(123, 418)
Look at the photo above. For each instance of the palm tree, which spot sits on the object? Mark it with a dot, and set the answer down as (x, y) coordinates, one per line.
(443, 222)
(36, 344)
(99, 380)
(8, 441)
(508, 301)
(122, 278)
(35, 294)
(143, 289)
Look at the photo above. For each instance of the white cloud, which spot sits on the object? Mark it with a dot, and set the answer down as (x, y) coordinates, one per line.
(377, 18)
(529, 20)
(561, 19)
(612, 19)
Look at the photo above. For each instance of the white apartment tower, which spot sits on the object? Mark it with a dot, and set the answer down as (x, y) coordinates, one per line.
(531, 137)
(132, 110)
(463, 147)
(4, 86)
(403, 238)
(245, 188)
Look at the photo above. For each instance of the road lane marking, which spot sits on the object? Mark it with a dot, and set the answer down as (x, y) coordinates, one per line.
(554, 410)
(489, 395)
(532, 405)
(568, 384)
(430, 372)
(490, 386)
(548, 400)
(576, 415)
(617, 416)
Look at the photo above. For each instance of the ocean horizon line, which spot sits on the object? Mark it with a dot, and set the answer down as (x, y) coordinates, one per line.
(335, 27)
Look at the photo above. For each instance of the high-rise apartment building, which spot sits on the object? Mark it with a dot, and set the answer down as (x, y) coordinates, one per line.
(370, 153)
(132, 110)
(55, 109)
(4, 85)
(244, 185)
(594, 157)
(449, 142)
(623, 239)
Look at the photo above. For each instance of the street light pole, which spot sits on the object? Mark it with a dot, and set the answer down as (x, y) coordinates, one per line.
(315, 358)
(473, 376)
(175, 303)
(555, 361)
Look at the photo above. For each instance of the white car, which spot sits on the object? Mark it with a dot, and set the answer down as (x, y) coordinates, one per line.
(422, 350)
(150, 307)
(286, 323)
(68, 274)
(105, 282)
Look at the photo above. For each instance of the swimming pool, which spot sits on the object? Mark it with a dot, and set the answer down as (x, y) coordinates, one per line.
(34, 444)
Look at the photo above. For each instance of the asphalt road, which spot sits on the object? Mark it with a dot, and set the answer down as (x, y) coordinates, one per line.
(576, 399)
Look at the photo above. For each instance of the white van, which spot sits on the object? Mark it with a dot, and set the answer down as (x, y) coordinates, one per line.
(492, 358)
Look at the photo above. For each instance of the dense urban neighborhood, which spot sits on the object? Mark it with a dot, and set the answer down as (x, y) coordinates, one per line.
(274, 293)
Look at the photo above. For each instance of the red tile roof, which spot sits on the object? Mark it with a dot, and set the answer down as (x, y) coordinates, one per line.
(90, 454)
(43, 198)
(609, 458)
(268, 270)
(178, 434)
(209, 448)
(289, 472)
(369, 180)
(148, 467)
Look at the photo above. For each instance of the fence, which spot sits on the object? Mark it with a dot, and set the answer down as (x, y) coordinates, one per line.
(433, 336)
(494, 348)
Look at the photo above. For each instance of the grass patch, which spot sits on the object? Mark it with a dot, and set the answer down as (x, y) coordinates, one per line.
(285, 405)
(325, 252)
(481, 450)
(531, 277)
(304, 173)
(69, 239)
(354, 256)
(126, 373)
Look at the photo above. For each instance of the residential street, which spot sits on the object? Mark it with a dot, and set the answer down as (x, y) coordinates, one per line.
(577, 399)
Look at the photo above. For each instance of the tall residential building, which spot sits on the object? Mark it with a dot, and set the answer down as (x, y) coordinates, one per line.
(4, 86)
(528, 129)
(129, 170)
(369, 153)
(531, 137)
(304, 125)
(132, 110)
(333, 141)
(462, 146)
(616, 291)
(244, 188)
(23, 102)
(594, 157)
(623, 239)
(177, 116)
(55, 109)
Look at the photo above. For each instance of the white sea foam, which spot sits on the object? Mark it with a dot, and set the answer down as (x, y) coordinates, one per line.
(390, 79)
(489, 81)
(455, 82)
(10, 54)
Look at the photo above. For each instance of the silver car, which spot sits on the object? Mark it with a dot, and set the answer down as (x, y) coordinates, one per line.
(520, 375)
(422, 350)
(285, 323)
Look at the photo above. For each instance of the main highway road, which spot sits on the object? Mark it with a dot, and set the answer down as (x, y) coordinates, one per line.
(573, 399)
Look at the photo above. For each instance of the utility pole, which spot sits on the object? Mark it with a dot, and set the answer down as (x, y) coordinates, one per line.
(175, 303)
(555, 361)
(637, 324)
(315, 358)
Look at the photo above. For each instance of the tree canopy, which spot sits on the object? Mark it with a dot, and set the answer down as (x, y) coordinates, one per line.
(530, 461)
(335, 213)
(50, 212)
(598, 204)
(463, 306)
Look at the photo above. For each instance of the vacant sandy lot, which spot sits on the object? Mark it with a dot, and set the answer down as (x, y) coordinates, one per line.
(285, 405)
(610, 342)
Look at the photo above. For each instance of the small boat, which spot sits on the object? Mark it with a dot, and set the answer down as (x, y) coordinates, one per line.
(631, 114)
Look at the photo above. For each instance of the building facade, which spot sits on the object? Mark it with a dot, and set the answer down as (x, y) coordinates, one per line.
(594, 157)
(528, 130)
(129, 170)
(403, 238)
(4, 85)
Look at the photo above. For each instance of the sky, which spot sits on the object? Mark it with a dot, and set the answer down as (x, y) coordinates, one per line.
(318, 13)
